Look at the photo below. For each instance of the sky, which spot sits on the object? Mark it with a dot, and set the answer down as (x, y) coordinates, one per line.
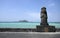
(15, 10)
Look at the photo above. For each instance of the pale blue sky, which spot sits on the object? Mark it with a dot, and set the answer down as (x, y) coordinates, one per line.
(15, 10)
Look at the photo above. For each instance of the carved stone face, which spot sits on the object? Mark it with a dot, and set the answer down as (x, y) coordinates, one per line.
(43, 10)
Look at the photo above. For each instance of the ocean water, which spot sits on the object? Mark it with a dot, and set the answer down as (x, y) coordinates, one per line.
(26, 25)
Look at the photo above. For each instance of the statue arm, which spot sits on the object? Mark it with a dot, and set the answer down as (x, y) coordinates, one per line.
(42, 15)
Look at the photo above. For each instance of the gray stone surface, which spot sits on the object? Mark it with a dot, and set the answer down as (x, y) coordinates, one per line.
(44, 17)
(29, 35)
(45, 29)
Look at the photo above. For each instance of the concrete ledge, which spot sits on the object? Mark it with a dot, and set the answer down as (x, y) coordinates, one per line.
(17, 30)
(22, 30)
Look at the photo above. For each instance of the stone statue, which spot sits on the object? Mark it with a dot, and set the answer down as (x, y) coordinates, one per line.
(44, 17)
(44, 26)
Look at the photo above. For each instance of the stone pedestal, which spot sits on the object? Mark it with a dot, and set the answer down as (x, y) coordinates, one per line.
(45, 28)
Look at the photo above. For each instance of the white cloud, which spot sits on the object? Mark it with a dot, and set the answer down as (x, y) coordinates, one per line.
(51, 4)
(34, 16)
(53, 17)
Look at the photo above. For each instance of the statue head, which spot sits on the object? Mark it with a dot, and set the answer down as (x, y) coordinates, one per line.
(43, 10)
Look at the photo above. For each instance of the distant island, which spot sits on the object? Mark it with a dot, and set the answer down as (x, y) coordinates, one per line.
(14, 21)
(23, 21)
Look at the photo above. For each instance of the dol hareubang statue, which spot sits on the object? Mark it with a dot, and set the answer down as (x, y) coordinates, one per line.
(44, 26)
(43, 17)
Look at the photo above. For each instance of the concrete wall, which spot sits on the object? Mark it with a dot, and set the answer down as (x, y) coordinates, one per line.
(17, 30)
(21, 30)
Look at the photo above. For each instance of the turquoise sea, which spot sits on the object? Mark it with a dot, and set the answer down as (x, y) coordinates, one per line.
(26, 25)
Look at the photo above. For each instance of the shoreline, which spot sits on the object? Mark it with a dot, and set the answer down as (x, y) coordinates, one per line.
(21, 29)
